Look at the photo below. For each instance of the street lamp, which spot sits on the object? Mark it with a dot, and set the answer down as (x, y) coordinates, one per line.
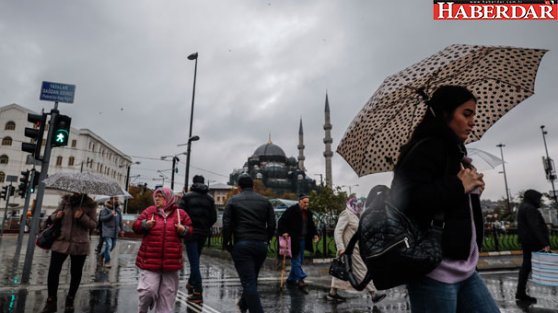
(501, 146)
(193, 138)
(549, 166)
(128, 185)
(175, 159)
(193, 56)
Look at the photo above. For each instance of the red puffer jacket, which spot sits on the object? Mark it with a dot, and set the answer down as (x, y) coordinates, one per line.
(161, 247)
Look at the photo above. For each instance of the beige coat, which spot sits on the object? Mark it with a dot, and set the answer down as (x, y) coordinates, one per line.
(74, 233)
(347, 225)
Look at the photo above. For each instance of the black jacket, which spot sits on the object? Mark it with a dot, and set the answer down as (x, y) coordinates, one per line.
(426, 182)
(291, 223)
(200, 206)
(248, 216)
(531, 227)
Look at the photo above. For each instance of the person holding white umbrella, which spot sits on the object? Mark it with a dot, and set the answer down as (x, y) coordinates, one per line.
(76, 215)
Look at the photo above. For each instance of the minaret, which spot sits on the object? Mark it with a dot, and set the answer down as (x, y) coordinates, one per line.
(327, 140)
(301, 148)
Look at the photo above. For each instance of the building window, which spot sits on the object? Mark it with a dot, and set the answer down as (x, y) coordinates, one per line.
(10, 125)
(74, 143)
(4, 159)
(2, 177)
(59, 160)
(7, 141)
(71, 161)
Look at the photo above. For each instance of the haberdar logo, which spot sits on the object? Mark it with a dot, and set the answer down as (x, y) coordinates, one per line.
(496, 10)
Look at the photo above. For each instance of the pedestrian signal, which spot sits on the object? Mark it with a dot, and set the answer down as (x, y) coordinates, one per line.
(61, 130)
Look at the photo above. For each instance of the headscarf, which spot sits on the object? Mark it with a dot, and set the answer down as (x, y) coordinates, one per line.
(353, 207)
(167, 195)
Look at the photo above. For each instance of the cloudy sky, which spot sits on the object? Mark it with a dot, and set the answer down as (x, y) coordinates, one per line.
(263, 65)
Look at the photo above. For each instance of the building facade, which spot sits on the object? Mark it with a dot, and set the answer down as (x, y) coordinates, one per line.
(85, 152)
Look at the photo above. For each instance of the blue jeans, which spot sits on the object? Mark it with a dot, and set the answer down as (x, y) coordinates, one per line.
(297, 273)
(109, 245)
(193, 251)
(470, 295)
(248, 257)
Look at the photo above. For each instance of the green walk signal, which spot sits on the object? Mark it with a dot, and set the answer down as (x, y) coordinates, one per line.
(61, 132)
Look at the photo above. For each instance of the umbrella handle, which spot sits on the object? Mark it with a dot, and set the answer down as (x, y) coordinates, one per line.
(178, 215)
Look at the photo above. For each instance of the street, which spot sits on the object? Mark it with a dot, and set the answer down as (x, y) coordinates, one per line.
(114, 290)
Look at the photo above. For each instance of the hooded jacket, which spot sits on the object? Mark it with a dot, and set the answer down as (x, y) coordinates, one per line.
(426, 182)
(74, 232)
(111, 224)
(531, 227)
(200, 206)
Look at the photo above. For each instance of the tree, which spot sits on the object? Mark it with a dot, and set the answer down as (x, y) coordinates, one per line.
(326, 200)
(142, 198)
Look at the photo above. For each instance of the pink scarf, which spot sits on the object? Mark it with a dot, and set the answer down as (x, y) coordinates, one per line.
(167, 195)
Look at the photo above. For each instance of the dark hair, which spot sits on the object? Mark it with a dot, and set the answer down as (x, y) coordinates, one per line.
(198, 179)
(440, 108)
(446, 99)
(302, 196)
(245, 181)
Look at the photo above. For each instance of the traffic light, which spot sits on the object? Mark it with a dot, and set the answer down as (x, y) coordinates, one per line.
(23, 183)
(61, 130)
(4, 192)
(36, 176)
(35, 133)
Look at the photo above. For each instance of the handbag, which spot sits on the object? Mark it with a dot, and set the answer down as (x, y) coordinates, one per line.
(391, 245)
(338, 268)
(46, 238)
(393, 248)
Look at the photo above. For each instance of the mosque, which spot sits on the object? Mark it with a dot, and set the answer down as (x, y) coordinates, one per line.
(283, 174)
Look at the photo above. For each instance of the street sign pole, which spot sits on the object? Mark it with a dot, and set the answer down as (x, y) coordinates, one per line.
(39, 200)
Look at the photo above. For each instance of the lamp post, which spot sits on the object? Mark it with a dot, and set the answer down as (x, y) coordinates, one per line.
(189, 144)
(501, 146)
(175, 160)
(193, 56)
(128, 185)
(549, 166)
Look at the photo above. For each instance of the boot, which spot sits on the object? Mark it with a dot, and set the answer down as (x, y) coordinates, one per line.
(50, 306)
(189, 288)
(69, 307)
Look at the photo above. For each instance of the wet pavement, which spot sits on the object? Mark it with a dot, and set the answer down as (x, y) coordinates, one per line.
(114, 290)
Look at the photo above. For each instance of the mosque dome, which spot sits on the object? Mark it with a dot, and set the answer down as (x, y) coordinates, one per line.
(269, 149)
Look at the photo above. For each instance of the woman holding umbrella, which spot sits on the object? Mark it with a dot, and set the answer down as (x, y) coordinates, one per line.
(76, 215)
(434, 175)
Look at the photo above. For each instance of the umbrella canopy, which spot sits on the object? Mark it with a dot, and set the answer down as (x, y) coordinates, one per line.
(84, 183)
(483, 160)
(103, 198)
(500, 78)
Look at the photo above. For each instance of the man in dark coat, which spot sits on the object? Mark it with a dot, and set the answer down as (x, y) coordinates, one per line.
(533, 235)
(297, 222)
(200, 206)
(248, 226)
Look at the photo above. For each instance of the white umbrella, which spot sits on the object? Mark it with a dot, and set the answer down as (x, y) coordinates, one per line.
(103, 198)
(483, 160)
(86, 183)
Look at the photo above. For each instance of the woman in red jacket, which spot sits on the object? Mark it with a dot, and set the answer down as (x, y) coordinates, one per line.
(160, 255)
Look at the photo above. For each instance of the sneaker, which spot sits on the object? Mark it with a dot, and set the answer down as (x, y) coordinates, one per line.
(377, 297)
(525, 298)
(335, 298)
(195, 297)
(108, 265)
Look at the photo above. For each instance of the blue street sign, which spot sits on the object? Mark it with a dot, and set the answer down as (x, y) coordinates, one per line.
(58, 92)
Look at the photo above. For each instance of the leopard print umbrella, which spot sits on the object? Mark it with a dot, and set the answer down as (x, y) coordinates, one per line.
(500, 78)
